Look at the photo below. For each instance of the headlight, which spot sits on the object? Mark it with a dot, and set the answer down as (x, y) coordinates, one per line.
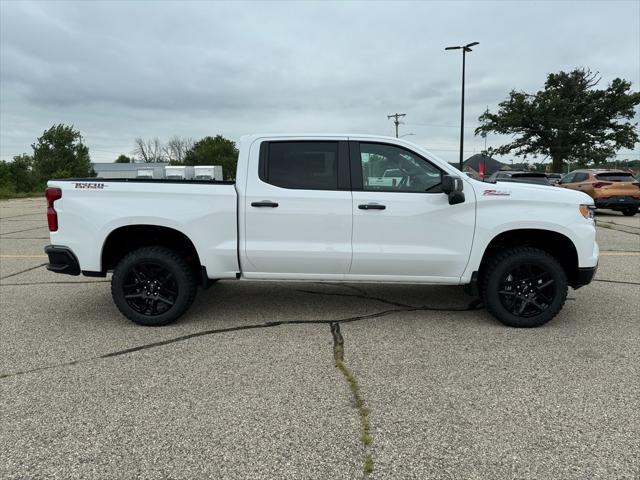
(587, 211)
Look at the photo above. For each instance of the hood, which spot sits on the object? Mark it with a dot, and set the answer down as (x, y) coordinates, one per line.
(530, 191)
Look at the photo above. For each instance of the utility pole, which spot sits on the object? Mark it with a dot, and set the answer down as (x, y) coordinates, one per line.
(397, 117)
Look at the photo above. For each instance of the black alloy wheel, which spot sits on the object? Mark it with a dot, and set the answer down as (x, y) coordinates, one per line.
(153, 286)
(527, 290)
(523, 287)
(150, 288)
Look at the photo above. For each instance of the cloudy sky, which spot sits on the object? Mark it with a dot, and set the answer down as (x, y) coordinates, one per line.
(118, 70)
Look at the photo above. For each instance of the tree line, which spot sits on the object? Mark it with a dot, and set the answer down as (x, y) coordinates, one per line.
(60, 152)
(209, 150)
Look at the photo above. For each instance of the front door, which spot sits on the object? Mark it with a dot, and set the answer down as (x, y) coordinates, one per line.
(298, 211)
(403, 225)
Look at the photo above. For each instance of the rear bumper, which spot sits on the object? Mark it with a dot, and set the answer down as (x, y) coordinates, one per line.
(62, 260)
(584, 276)
(617, 202)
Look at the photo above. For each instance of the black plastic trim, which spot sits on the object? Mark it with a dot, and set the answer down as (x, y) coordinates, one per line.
(62, 260)
(584, 276)
(89, 273)
(613, 202)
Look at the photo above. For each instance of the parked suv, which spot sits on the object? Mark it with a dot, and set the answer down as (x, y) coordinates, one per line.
(613, 189)
(519, 177)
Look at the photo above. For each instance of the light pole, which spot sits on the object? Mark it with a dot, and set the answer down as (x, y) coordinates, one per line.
(465, 48)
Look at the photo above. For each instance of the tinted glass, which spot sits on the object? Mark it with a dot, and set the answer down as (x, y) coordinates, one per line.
(394, 169)
(581, 177)
(303, 165)
(615, 177)
(568, 178)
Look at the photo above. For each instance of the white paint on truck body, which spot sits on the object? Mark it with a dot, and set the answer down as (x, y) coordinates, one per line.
(323, 234)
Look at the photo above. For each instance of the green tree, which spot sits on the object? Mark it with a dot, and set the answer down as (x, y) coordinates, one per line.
(17, 176)
(123, 159)
(569, 120)
(214, 151)
(60, 153)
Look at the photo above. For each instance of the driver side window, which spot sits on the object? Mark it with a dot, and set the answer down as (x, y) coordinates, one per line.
(388, 168)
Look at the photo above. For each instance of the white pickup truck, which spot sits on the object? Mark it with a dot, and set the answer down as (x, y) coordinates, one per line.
(346, 208)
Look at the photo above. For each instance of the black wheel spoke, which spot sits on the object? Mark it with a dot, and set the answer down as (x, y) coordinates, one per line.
(165, 300)
(545, 284)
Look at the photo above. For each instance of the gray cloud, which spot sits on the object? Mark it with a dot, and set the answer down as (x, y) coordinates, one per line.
(119, 70)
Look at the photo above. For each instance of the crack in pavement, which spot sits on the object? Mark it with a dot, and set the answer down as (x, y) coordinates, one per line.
(22, 215)
(615, 226)
(26, 238)
(23, 271)
(61, 282)
(20, 231)
(383, 313)
(615, 281)
(352, 381)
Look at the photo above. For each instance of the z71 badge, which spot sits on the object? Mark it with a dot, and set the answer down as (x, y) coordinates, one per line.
(90, 185)
(496, 193)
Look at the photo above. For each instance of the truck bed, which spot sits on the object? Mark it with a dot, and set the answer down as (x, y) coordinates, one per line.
(92, 209)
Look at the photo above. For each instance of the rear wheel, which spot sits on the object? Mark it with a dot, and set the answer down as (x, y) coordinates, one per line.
(524, 287)
(630, 212)
(153, 286)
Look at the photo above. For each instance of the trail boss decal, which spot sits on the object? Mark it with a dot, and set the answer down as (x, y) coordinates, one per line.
(496, 193)
(99, 186)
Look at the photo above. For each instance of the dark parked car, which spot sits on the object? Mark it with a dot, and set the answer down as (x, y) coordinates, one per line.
(554, 178)
(538, 178)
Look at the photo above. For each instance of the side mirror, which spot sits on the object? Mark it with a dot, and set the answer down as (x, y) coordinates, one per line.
(452, 186)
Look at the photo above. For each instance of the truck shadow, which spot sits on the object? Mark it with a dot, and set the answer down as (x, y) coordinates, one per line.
(241, 302)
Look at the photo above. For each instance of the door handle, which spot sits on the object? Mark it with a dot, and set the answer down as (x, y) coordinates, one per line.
(264, 203)
(371, 206)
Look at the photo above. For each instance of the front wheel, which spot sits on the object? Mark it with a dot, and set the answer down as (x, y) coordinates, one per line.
(153, 286)
(524, 287)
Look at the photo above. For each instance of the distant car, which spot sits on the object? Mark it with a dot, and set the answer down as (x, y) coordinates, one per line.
(554, 178)
(538, 178)
(612, 189)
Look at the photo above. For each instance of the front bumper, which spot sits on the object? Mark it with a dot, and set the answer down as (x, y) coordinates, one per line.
(584, 276)
(617, 202)
(62, 260)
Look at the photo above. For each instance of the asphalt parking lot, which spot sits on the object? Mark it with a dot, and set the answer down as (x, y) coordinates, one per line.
(246, 385)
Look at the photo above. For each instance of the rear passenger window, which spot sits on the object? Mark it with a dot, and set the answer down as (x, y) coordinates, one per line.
(302, 165)
(580, 177)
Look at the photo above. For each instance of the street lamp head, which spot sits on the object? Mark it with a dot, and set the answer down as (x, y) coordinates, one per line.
(453, 48)
(472, 44)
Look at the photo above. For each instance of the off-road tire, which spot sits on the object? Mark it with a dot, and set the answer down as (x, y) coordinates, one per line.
(498, 269)
(182, 279)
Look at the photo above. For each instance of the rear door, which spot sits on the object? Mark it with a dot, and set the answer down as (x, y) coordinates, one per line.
(403, 225)
(298, 211)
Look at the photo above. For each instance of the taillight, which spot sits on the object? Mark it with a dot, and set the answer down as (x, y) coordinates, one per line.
(601, 184)
(52, 194)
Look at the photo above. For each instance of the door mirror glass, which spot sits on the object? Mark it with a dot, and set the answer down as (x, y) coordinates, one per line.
(451, 183)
